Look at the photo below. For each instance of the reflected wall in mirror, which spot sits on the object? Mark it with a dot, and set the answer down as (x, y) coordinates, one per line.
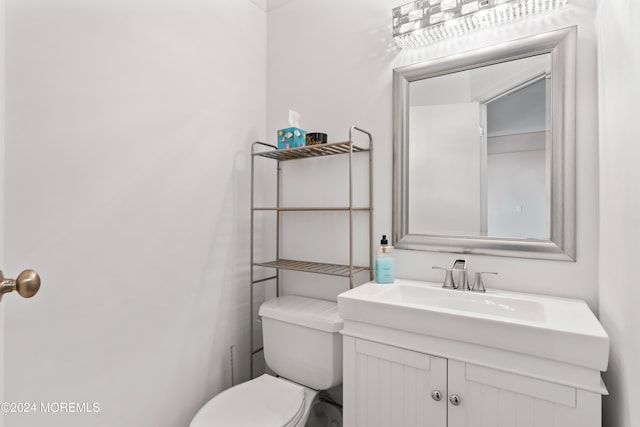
(490, 126)
(484, 150)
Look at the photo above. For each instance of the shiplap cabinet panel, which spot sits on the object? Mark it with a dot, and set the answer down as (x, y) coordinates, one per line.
(393, 386)
(388, 386)
(492, 398)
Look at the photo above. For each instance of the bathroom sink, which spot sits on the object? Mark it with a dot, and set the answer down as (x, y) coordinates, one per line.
(556, 328)
(465, 302)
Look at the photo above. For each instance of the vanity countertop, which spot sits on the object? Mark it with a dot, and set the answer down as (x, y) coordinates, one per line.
(560, 329)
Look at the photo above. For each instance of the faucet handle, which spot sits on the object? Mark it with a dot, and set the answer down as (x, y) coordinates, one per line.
(448, 278)
(478, 284)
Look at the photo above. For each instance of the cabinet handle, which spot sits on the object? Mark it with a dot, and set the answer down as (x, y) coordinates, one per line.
(454, 399)
(436, 395)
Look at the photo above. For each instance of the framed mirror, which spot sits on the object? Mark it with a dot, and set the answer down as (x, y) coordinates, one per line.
(484, 150)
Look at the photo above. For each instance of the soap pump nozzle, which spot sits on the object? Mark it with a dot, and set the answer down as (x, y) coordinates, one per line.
(385, 247)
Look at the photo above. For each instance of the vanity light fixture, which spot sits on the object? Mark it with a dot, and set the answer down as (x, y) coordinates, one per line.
(423, 22)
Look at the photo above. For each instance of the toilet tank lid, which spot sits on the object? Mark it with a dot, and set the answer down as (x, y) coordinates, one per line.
(303, 311)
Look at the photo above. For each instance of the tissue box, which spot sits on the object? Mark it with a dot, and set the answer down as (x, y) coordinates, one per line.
(291, 138)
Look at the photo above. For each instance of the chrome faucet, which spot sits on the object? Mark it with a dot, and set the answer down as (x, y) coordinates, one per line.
(459, 273)
(456, 277)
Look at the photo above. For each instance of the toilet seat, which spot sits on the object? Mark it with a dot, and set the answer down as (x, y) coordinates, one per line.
(265, 401)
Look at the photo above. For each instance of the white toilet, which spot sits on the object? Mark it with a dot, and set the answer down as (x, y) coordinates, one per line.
(303, 345)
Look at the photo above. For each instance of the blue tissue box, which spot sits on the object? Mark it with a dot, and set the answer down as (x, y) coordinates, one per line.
(291, 138)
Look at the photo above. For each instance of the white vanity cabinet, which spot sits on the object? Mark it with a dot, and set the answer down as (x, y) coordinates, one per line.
(390, 386)
(416, 354)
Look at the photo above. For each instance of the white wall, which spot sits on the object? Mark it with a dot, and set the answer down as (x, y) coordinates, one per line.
(517, 195)
(127, 142)
(619, 91)
(444, 169)
(346, 56)
(333, 69)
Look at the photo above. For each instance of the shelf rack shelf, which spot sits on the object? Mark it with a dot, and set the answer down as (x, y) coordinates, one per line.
(309, 209)
(349, 270)
(309, 151)
(314, 267)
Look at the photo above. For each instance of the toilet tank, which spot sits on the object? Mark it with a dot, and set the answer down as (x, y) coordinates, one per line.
(302, 340)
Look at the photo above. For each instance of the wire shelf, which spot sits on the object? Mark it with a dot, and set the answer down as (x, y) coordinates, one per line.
(313, 267)
(308, 151)
(311, 209)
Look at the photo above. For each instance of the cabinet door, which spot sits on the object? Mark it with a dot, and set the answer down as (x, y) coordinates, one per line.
(493, 398)
(386, 386)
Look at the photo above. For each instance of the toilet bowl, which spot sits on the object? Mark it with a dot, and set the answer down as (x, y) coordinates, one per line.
(302, 344)
(265, 401)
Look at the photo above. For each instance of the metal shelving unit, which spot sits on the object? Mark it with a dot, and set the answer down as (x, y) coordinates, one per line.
(349, 270)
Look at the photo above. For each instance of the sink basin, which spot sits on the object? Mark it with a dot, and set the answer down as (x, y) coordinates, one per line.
(556, 328)
(465, 302)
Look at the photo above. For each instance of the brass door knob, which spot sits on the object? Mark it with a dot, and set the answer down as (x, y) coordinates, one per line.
(27, 284)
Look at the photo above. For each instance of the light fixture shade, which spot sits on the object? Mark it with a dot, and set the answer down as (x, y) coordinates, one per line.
(423, 22)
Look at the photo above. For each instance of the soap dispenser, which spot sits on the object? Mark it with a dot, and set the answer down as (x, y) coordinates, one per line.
(385, 270)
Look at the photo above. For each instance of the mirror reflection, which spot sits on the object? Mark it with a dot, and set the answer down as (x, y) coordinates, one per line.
(479, 148)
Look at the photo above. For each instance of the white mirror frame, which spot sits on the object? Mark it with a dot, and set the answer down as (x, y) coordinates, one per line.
(561, 44)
